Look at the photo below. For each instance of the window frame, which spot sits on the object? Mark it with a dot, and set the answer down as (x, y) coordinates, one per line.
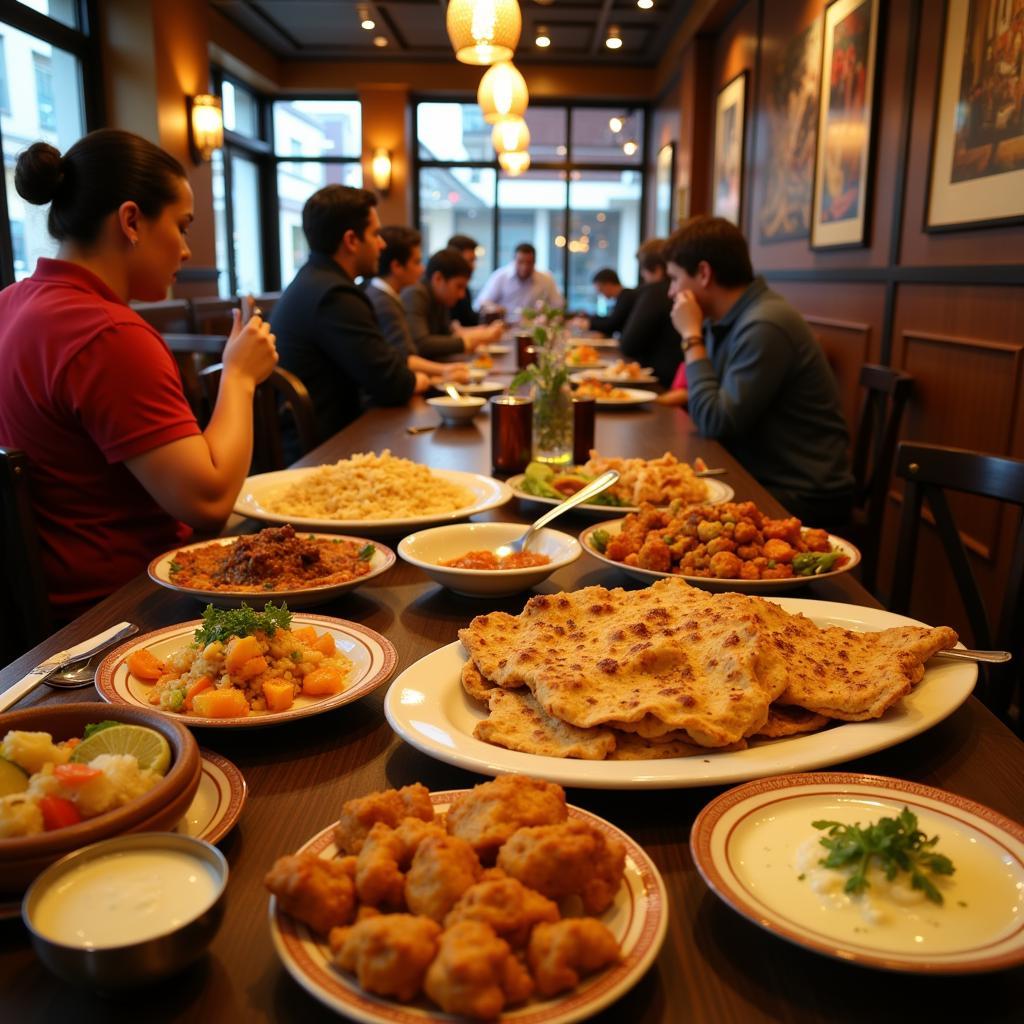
(568, 165)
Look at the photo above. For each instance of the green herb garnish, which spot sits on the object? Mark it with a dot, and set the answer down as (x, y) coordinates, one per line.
(898, 845)
(224, 623)
(366, 553)
(175, 566)
(814, 563)
(95, 727)
(296, 656)
(600, 538)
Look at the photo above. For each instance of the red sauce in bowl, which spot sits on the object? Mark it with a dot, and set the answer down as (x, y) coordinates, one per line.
(488, 560)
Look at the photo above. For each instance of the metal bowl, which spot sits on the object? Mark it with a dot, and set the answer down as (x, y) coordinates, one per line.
(109, 968)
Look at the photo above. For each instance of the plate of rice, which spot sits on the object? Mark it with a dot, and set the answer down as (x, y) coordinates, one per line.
(243, 668)
(367, 494)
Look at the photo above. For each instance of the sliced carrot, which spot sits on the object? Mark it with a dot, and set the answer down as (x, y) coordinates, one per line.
(226, 703)
(201, 684)
(279, 694)
(325, 644)
(145, 665)
(323, 681)
(75, 774)
(304, 634)
(240, 650)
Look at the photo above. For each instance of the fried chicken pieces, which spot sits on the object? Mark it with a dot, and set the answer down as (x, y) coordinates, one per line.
(416, 911)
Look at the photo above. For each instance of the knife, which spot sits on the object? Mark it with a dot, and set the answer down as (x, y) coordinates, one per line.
(62, 659)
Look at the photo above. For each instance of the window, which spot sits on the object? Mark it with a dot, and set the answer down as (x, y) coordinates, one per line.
(49, 104)
(580, 204)
(64, 11)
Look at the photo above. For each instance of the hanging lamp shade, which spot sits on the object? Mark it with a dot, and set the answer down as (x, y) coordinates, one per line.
(484, 31)
(502, 92)
(514, 163)
(510, 135)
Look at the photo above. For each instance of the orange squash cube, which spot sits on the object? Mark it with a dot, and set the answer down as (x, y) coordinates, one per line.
(240, 650)
(279, 694)
(227, 703)
(323, 681)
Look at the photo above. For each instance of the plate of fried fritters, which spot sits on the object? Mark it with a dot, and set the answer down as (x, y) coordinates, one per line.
(673, 686)
(500, 902)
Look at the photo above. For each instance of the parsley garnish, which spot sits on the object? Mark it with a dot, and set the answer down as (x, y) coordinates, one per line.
(95, 727)
(175, 566)
(224, 623)
(366, 553)
(600, 538)
(898, 844)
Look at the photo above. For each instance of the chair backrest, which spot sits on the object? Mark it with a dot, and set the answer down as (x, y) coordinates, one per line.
(212, 315)
(27, 619)
(172, 316)
(281, 392)
(266, 303)
(929, 471)
(886, 393)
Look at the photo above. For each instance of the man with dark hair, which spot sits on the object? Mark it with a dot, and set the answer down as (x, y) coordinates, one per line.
(401, 266)
(463, 311)
(327, 334)
(520, 285)
(428, 304)
(648, 335)
(758, 381)
(607, 284)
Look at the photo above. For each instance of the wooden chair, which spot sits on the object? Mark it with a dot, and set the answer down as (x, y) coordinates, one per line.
(929, 471)
(212, 315)
(281, 392)
(173, 316)
(27, 619)
(886, 393)
(266, 302)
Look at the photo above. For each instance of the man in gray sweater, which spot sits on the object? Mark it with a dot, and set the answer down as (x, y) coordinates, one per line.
(758, 380)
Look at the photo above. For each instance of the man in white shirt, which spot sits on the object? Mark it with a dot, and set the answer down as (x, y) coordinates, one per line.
(519, 285)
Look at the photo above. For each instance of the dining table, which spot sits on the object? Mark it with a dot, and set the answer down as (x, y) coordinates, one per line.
(715, 966)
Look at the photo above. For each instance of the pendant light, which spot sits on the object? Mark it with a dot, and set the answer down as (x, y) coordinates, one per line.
(510, 135)
(502, 92)
(484, 31)
(514, 163)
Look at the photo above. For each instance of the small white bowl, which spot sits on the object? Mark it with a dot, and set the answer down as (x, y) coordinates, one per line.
(457, 411)
(428, 548)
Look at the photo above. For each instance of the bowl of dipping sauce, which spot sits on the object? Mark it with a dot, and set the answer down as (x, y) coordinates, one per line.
(461, 557)
(457, 411)
(127, 911)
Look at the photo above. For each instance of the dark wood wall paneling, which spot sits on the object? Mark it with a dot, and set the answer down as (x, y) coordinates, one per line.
(961, 339)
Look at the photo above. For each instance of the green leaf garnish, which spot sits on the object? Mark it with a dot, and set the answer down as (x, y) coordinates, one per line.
(174, 566)
(896, 843)
(224, 623)
(814, 563)
(366, 553)
(95, 727)
(600, 538)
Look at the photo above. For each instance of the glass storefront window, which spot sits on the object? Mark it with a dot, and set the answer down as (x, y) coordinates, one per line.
(317, 128)
(532, 209)
(64, 11)
(452, 131)
(595, 139)
(246, 222)
(241, 110)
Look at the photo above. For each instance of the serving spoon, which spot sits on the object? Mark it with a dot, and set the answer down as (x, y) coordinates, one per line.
(595, 487)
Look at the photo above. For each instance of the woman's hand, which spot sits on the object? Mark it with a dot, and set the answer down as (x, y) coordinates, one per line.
(251, 351)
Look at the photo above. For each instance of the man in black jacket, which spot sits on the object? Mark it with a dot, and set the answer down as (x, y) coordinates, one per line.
(649, 336)
(463, 310)
(327, 333)
(607, 283)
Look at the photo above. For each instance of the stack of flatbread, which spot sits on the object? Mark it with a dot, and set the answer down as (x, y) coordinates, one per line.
(671, 671)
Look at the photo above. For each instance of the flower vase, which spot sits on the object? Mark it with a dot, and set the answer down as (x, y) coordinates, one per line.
(552, 424)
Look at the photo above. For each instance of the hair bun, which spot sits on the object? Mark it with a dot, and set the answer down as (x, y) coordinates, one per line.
(39, 173)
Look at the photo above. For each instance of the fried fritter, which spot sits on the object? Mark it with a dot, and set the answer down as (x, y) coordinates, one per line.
(475, 973)
(507, 906)
(562, 860)
(318, 892)
(389, 954)
(387, 853)
(443, 868)
(487, 815)
(560, 953)
(390, 806)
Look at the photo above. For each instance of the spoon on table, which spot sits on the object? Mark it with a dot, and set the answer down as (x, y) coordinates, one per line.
(963, 654)
(595, 487)
(85, 674)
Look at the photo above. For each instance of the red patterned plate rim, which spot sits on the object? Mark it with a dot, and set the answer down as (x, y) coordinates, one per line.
(389, 657)
(223, 821)
(846, 783)
(336, 990)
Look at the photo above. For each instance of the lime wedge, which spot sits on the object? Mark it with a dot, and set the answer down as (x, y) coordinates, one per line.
(148, 746)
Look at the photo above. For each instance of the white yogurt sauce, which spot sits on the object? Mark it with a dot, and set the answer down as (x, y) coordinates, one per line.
(125, 898)
(982, 900)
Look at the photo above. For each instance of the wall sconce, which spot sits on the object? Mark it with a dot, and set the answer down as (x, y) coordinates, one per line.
(380, 170)
(205, 126)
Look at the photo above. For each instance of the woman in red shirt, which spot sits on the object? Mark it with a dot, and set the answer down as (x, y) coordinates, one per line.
(119, 469)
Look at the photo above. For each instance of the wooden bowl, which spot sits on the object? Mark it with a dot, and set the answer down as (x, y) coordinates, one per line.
(23, 858)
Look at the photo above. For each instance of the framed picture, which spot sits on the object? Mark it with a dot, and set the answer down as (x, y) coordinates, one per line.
(791, 88)
(977, 170)
(845, 120)
(727, 180)
(664, 189)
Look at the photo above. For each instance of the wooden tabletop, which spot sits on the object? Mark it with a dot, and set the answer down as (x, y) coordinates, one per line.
(714, 967)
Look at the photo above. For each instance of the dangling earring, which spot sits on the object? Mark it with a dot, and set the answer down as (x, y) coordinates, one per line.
(134, 242)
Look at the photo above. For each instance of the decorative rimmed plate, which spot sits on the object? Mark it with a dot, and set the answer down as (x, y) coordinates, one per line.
(487, 493)
(160, 572)
(594, 364)
(483, 388)
(373, 657)
(628, 398)
(214, 810)
(497, 350)
(647, 377)
(428, 708)
(614, 526)
(218, 802)
(978, 927)
(638, 919)
(718, 492)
